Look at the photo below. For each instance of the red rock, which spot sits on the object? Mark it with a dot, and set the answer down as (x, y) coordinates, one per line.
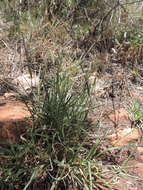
(102, 187)
(2, 100)
(139, 154)
(124, 136)
(12, 121)
(14, 110)
(120, 116)
(136, 168)
(137, 96)
(8, 95)
(10, 131)
(129, 182)
(124, 184)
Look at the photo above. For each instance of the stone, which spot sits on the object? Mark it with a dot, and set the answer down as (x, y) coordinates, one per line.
(137, 96)
(14, 110)
(13, 121)
(9, 95)
(124, 136)
(120, 117)
(25, 83)
(139, 154)
(10, 131)
(136, 168)
(124, 184)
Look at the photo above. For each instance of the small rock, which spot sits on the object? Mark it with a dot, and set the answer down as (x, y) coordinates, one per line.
(137, 168)
(14, 110)
(10, 131)
(13, 121)
(124, 184)
(137, 96)
(9, 95)
(124, 136)
(120, 117)
(139, 154)
(25, 83)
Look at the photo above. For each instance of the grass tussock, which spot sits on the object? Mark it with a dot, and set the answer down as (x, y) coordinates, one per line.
(53, 154)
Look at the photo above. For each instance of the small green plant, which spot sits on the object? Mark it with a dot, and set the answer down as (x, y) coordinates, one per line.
(137, 111)
(135, 37)
(53, 154)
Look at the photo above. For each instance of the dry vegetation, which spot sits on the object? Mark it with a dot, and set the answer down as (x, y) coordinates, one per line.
(88, 55)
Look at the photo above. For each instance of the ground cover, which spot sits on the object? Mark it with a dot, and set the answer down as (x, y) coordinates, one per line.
(71, 95)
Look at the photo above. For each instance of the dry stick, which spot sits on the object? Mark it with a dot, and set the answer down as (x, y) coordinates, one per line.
(30, 72)
(114, 110)
(116, 119)
(104, 18)
(81, 57)
(118, 4)
(98, 24)
(27, 55)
